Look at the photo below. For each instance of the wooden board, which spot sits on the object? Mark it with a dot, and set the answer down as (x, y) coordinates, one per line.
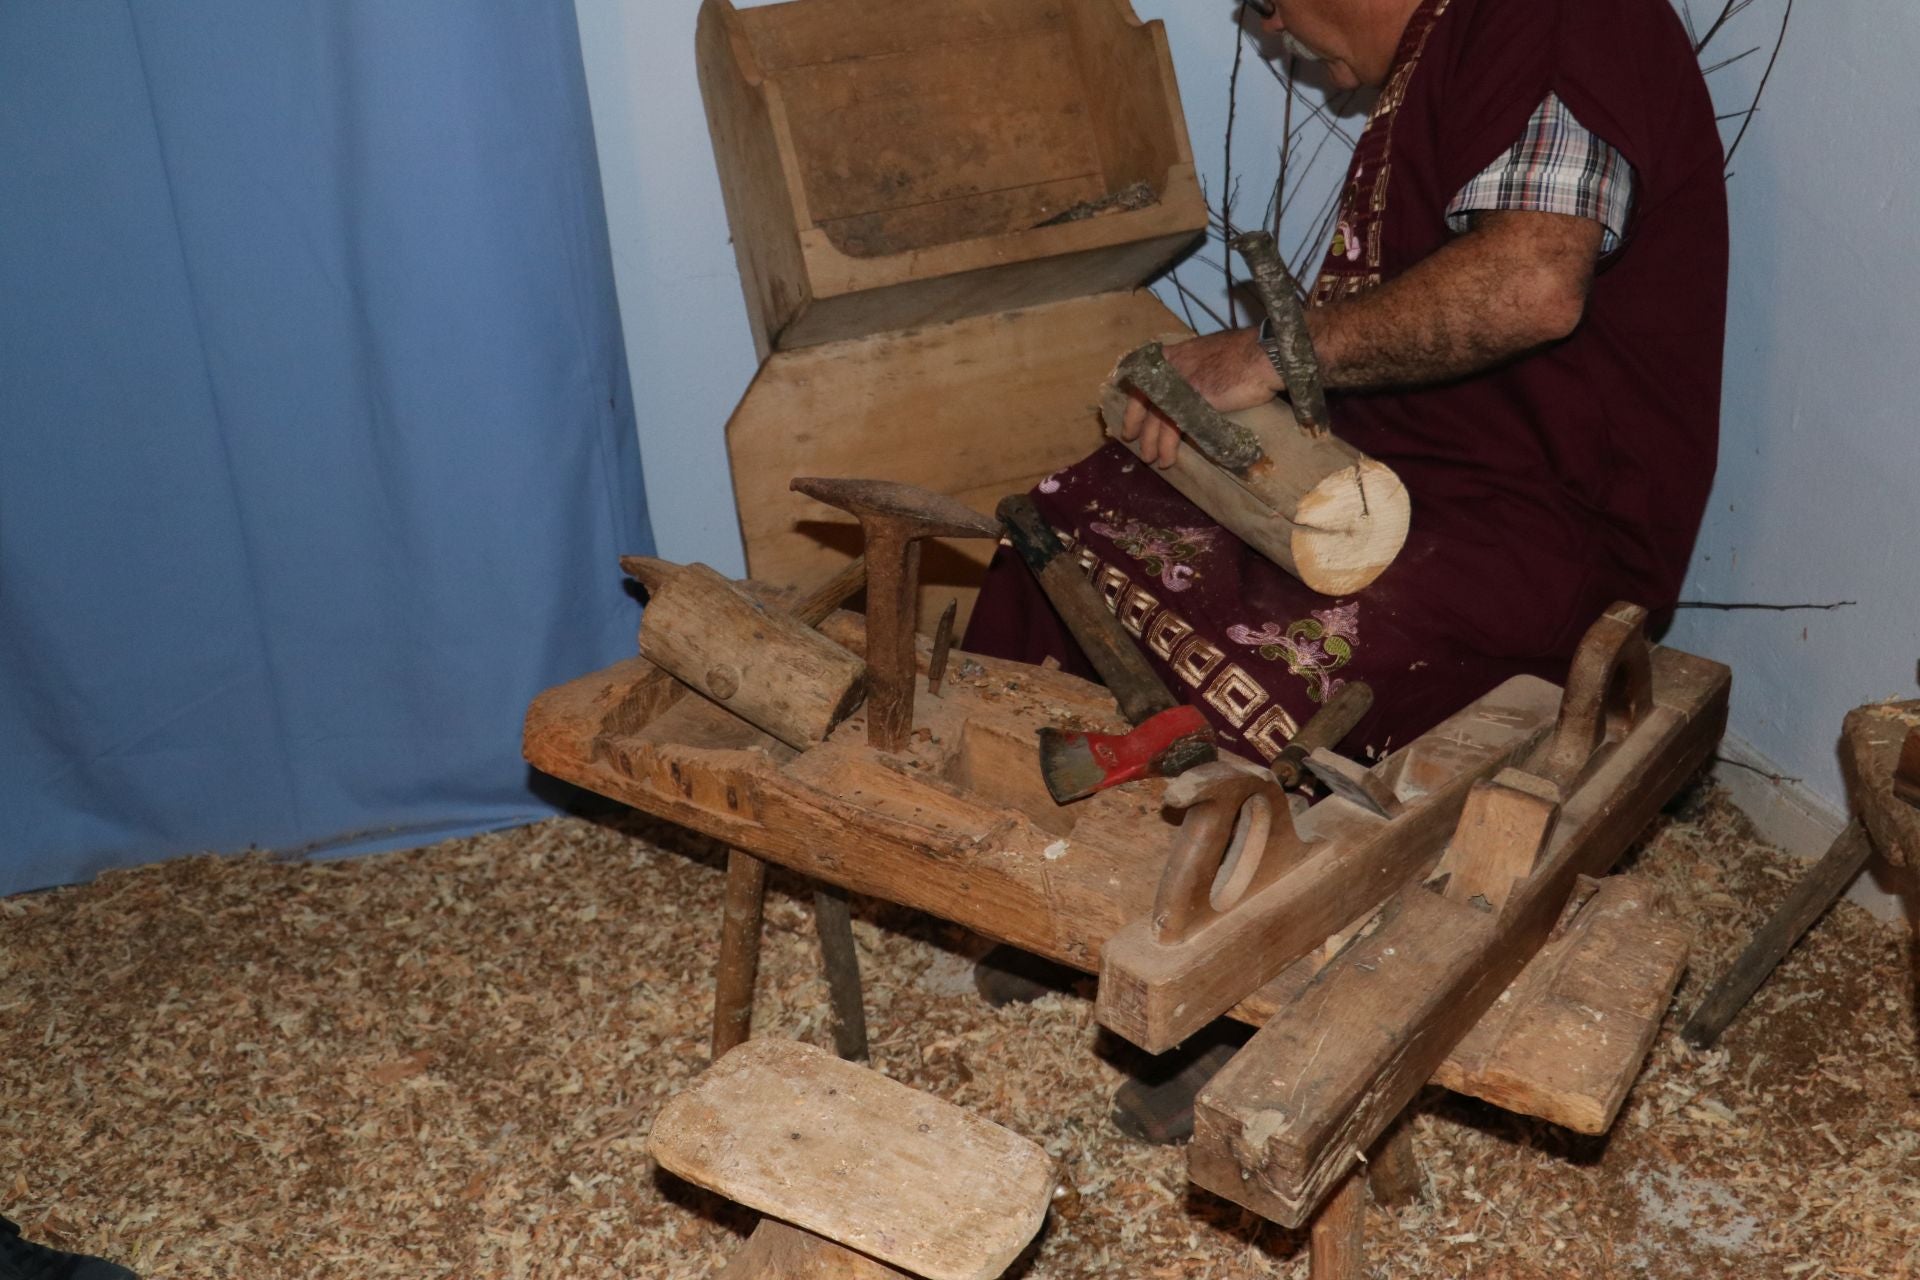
(1566, 1041)
(976, 409)
(892, 163)
(841, 1151)
(1283, 1124)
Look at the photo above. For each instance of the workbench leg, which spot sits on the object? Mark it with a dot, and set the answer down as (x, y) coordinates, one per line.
(1339, 1238)
(835, 924)
(1811, 897)
(739, 951)
(1393, 1170)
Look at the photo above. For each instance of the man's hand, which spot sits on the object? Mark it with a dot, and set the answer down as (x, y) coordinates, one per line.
(1229, 368)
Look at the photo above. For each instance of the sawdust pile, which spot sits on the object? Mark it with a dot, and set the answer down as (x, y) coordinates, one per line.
(445, 1062)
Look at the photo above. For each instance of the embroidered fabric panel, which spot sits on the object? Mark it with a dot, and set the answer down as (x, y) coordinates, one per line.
(1353, 259)
(1311, 648)
(1557, 166)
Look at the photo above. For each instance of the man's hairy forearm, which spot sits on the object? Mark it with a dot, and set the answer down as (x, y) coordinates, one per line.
(1515, 282)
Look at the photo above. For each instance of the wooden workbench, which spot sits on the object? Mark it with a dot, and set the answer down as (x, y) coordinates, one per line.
(960, 826)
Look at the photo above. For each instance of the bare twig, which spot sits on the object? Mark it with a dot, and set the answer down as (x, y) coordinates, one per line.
(1727, 62)
(1187, 295)
(1180, 291)
(1727, 13)
(1226, 181)
(1786, 16)
(1732, 606)
(1276, 206)
(1741, 764)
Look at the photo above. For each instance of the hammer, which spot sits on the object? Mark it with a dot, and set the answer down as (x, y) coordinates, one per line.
(1169, 737)
(894, 518)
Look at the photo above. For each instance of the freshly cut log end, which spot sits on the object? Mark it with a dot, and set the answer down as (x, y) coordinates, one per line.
(1349, 527)
(1316, 506)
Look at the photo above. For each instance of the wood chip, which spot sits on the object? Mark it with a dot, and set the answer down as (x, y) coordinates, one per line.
(446, 1062)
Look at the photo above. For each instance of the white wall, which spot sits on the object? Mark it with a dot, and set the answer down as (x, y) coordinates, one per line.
(1820, 466)
(1818, 496)
(687, 339)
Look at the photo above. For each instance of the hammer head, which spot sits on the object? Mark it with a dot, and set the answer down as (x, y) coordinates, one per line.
(920, 513)
(1075, 765)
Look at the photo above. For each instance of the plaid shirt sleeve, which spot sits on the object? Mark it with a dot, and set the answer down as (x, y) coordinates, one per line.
(1558, 166)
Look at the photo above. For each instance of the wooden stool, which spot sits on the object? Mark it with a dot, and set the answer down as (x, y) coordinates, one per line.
(867, 1177)
(1880, 749)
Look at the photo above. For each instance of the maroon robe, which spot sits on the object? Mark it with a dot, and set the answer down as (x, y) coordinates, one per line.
(1542, 490)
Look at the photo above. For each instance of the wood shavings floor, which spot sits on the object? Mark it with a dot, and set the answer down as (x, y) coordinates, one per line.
(444, 1063)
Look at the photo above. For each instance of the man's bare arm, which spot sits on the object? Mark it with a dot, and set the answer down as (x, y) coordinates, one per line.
(1514, 282)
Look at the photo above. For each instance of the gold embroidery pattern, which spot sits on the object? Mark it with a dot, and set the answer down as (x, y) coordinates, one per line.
(1227, 688)
(1135, 608)
(1196, 658)
(1235, 695)
(1166, 633)
(1272, 731)
(1112, 584)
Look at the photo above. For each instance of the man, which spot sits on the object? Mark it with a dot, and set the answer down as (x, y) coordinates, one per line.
(1521, 312)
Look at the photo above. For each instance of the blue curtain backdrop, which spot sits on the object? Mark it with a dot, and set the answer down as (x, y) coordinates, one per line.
(316, 443)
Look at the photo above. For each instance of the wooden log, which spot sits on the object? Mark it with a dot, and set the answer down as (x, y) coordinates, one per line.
(1809, 899)
(845, 1153)
(739, 962)
(1317, 507)
(1283, 1124)
(1164, 977)
(769, 669)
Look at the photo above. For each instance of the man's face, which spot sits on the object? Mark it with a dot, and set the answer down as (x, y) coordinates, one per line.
(1320, 30)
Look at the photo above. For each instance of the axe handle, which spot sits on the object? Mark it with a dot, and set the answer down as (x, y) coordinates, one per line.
(1133, 683)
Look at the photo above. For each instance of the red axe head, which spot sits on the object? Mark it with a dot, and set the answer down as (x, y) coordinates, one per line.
(1076, 765)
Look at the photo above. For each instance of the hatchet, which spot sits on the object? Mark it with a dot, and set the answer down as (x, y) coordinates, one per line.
(1169, 737)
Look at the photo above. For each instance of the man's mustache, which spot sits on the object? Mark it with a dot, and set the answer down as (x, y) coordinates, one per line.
(1297, 50)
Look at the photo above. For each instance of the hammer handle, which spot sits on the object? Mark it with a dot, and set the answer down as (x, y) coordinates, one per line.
(1133, 683)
